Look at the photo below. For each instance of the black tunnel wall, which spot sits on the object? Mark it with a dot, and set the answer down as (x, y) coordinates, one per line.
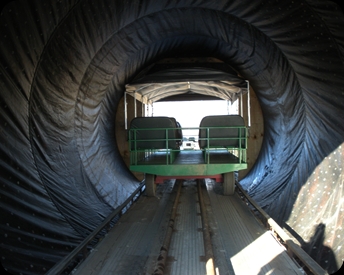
(63, 68)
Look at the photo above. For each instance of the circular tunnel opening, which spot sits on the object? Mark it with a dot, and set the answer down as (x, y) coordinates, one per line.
(115, 65)
(175, 69)
(91, 92)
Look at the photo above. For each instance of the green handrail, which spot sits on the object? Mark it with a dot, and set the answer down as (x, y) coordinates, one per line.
(133, 141)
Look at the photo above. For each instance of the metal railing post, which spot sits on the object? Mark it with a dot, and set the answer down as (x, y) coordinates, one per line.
(125, 112)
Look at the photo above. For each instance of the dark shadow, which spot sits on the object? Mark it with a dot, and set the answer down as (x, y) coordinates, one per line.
(340, 271)
(275, 267)
(321, 253)
(316, 249)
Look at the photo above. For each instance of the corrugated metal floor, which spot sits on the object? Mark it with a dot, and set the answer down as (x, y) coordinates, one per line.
(241, 245)
(134, 242)
(187, 246)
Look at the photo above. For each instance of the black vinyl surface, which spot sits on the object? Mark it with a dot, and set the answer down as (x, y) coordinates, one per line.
(63, 69)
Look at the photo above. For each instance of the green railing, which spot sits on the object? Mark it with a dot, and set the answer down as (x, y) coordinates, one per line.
(146, 142)
(142, 146)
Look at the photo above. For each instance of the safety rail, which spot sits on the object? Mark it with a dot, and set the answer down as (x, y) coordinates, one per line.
(137, 153)
(239, 149)
(82, 248)
(291, 244)
(170, 150)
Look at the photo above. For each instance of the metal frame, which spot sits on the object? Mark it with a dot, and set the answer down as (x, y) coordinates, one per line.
(248, 104)
(139, 157)
(145, 100)
(189, 169)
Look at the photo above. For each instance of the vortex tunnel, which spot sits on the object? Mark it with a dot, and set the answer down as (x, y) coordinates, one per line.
(64, 66)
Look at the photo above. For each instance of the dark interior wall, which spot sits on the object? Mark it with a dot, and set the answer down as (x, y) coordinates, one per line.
(63, 68)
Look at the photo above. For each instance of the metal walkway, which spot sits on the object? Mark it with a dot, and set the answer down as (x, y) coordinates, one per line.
(240, 244)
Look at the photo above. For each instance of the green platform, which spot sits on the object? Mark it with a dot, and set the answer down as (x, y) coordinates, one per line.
(223, 150)
(189, 162)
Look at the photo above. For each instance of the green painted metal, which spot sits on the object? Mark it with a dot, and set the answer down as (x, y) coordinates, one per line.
(165, 166)
(188, 170)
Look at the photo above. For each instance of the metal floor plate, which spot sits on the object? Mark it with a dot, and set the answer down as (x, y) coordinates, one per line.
(187, 248)
(241, 245)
